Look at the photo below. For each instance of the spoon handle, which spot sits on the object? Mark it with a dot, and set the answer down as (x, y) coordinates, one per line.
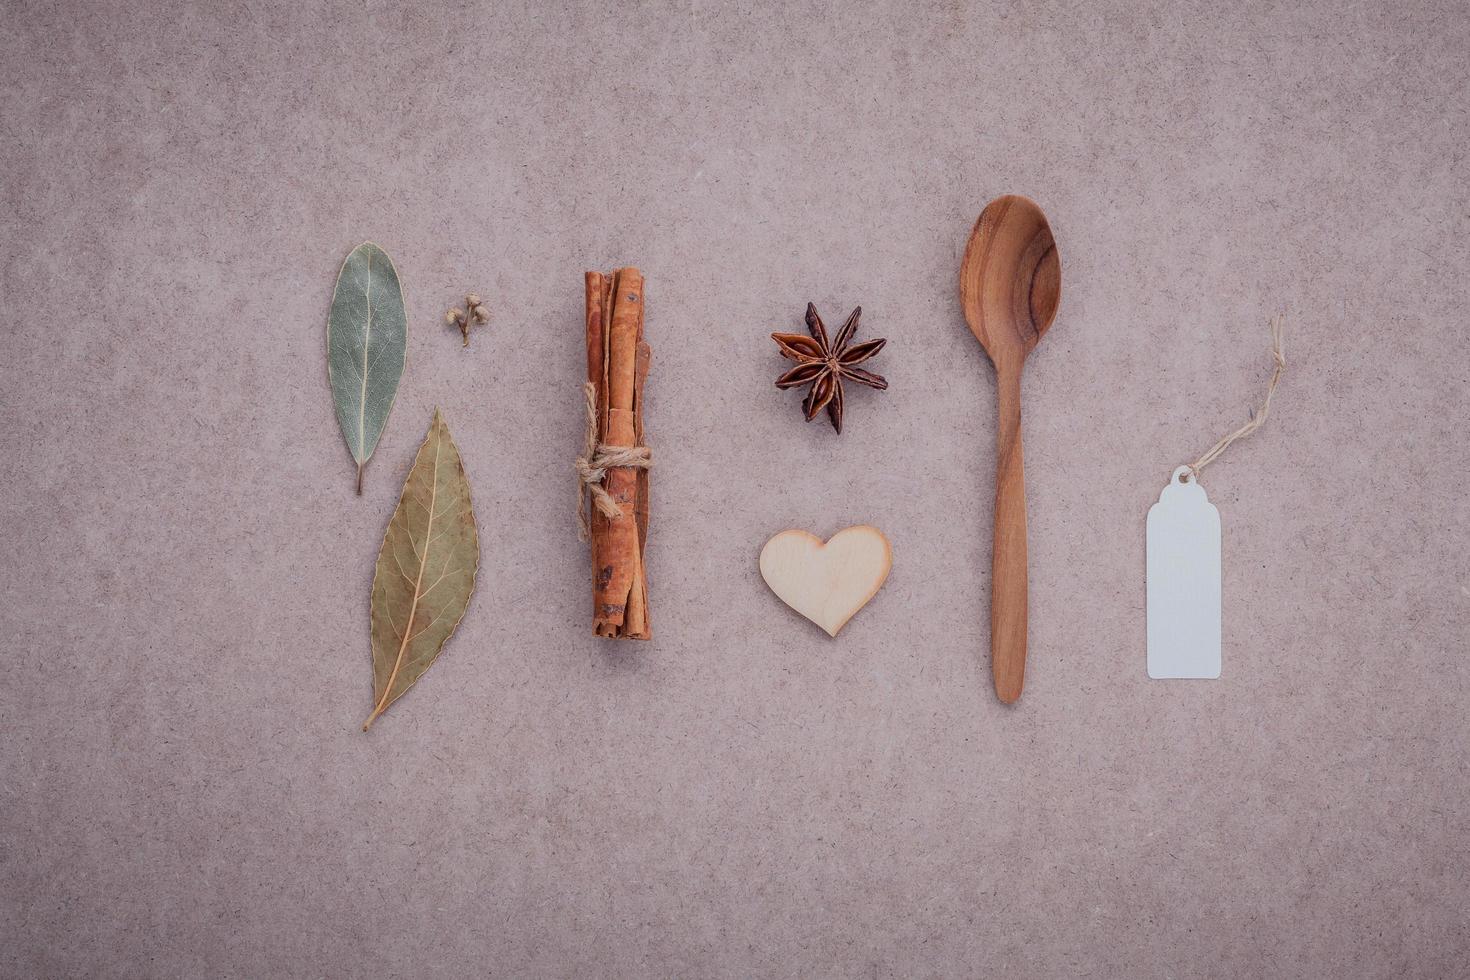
(1008, 560)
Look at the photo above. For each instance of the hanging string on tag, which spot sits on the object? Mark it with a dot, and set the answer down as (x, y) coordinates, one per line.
(1257, 419)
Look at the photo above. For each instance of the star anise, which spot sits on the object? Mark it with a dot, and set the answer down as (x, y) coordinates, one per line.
(825, 364)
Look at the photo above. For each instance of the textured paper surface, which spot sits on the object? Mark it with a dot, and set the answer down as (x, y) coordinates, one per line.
(184, 791)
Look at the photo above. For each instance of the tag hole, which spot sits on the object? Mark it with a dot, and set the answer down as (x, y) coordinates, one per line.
(1183, 477)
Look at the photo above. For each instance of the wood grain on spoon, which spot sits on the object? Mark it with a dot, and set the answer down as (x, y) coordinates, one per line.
(1010, 286)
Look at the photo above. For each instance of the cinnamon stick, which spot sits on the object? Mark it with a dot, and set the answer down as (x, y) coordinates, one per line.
(596, 320)
(617, 364)
(645, 358)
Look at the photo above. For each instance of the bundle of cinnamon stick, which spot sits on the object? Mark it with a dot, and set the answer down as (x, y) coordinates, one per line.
(617, 367)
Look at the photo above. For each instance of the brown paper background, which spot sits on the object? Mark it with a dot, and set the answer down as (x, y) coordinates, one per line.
(184, 791)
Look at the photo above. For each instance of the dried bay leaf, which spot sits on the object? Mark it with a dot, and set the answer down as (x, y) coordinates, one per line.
(367, 336)
(426, 569)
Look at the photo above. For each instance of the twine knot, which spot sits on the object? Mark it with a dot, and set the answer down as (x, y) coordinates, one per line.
(592, 466)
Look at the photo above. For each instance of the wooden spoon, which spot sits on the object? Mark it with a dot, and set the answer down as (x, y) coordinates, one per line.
(1010, 285)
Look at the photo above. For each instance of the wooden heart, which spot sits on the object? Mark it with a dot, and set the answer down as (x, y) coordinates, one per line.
(827, 583)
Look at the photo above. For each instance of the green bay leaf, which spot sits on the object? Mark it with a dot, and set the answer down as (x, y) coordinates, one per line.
(426, 569)
(367, 337)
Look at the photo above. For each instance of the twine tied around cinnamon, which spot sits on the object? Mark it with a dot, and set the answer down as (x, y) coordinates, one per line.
(596, 459)
(1257, 419)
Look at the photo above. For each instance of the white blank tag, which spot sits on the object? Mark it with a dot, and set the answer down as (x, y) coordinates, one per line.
(1183, 582)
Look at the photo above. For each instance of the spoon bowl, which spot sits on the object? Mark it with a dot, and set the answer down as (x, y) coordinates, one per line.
(1010, 287)
(1011, 278)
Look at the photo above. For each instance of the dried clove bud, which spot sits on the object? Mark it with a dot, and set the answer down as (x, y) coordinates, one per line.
(478, 313)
